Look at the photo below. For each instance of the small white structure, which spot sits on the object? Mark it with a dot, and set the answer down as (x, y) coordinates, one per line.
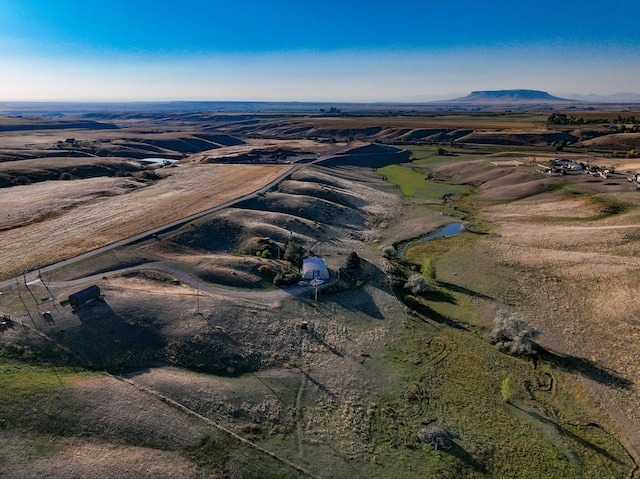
(314, 268)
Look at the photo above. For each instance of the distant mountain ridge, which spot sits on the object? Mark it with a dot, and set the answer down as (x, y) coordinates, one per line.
(503, 96)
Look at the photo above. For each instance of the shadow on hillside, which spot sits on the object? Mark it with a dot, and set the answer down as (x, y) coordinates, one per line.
(316, 338)
(370, 159)
(459, 452)
(463, 290)
(565, 432)
(585, 367)
(440, 296)
(318, 384)
(357, 299)
(430, 313)
(106, 340)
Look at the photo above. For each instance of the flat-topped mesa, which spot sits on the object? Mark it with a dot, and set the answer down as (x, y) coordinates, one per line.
(500, 96)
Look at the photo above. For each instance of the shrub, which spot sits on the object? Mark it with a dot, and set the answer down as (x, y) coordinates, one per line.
(389, 252)
(507, 389)
(417, 284)
(65, 176)
(436, 437)
(5, 181)
(149, 175)
(266, 270)
(512, 334)
(286, 279)
(429, 269)
(21, 180)
(353, 261)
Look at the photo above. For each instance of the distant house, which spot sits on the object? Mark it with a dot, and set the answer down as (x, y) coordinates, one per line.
(84, 296)
(314, 268)
(567, 165)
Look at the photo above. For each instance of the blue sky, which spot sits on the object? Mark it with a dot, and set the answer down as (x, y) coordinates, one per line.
(143, 50)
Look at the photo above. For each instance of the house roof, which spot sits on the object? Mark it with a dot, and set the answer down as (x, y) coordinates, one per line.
(314, 263)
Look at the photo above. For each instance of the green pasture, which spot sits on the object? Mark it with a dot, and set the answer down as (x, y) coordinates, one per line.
(413, 183)
(546, 429)
(24, 383)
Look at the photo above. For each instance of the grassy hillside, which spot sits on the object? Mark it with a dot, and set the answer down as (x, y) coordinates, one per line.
(214, 374)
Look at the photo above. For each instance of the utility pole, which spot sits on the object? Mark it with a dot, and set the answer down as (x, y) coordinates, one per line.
(316, 297)
(45, 285)
(198, 297)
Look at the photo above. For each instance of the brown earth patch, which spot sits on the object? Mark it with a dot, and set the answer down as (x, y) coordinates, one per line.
(616, 141)
(97, 460)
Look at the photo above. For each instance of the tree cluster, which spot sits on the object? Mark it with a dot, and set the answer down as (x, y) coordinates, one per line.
(512, 334)
(293, 252)
(563, 119)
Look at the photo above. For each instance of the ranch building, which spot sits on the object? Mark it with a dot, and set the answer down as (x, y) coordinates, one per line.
(84, 296)
(314, 268)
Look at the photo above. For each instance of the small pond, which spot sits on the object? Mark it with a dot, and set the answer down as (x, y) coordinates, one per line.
(161, 161)
(451, 229)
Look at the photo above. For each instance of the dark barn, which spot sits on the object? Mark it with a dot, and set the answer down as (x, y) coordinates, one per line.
(84, 296)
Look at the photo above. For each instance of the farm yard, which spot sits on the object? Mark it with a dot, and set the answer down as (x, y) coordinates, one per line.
(192, 363)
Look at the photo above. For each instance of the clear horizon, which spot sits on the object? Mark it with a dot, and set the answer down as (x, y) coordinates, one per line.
(354, 51)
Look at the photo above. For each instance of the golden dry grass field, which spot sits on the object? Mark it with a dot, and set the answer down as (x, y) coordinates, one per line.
(47, 222)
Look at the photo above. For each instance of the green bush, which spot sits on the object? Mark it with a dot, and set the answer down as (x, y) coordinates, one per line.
(266, 270)
(21, 180)
(286, 279)
(5, 181)
(507, 389)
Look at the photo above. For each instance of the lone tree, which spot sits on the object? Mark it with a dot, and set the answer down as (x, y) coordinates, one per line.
(417, 284)
(353, 261)
(507, 389)
(512, 334)
(293, 252)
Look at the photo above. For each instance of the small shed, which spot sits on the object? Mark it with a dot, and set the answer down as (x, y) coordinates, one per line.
(314, 268)
(84, 296)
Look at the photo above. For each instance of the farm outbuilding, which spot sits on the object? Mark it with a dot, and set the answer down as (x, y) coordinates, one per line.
(84, 296)
(314, 268)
